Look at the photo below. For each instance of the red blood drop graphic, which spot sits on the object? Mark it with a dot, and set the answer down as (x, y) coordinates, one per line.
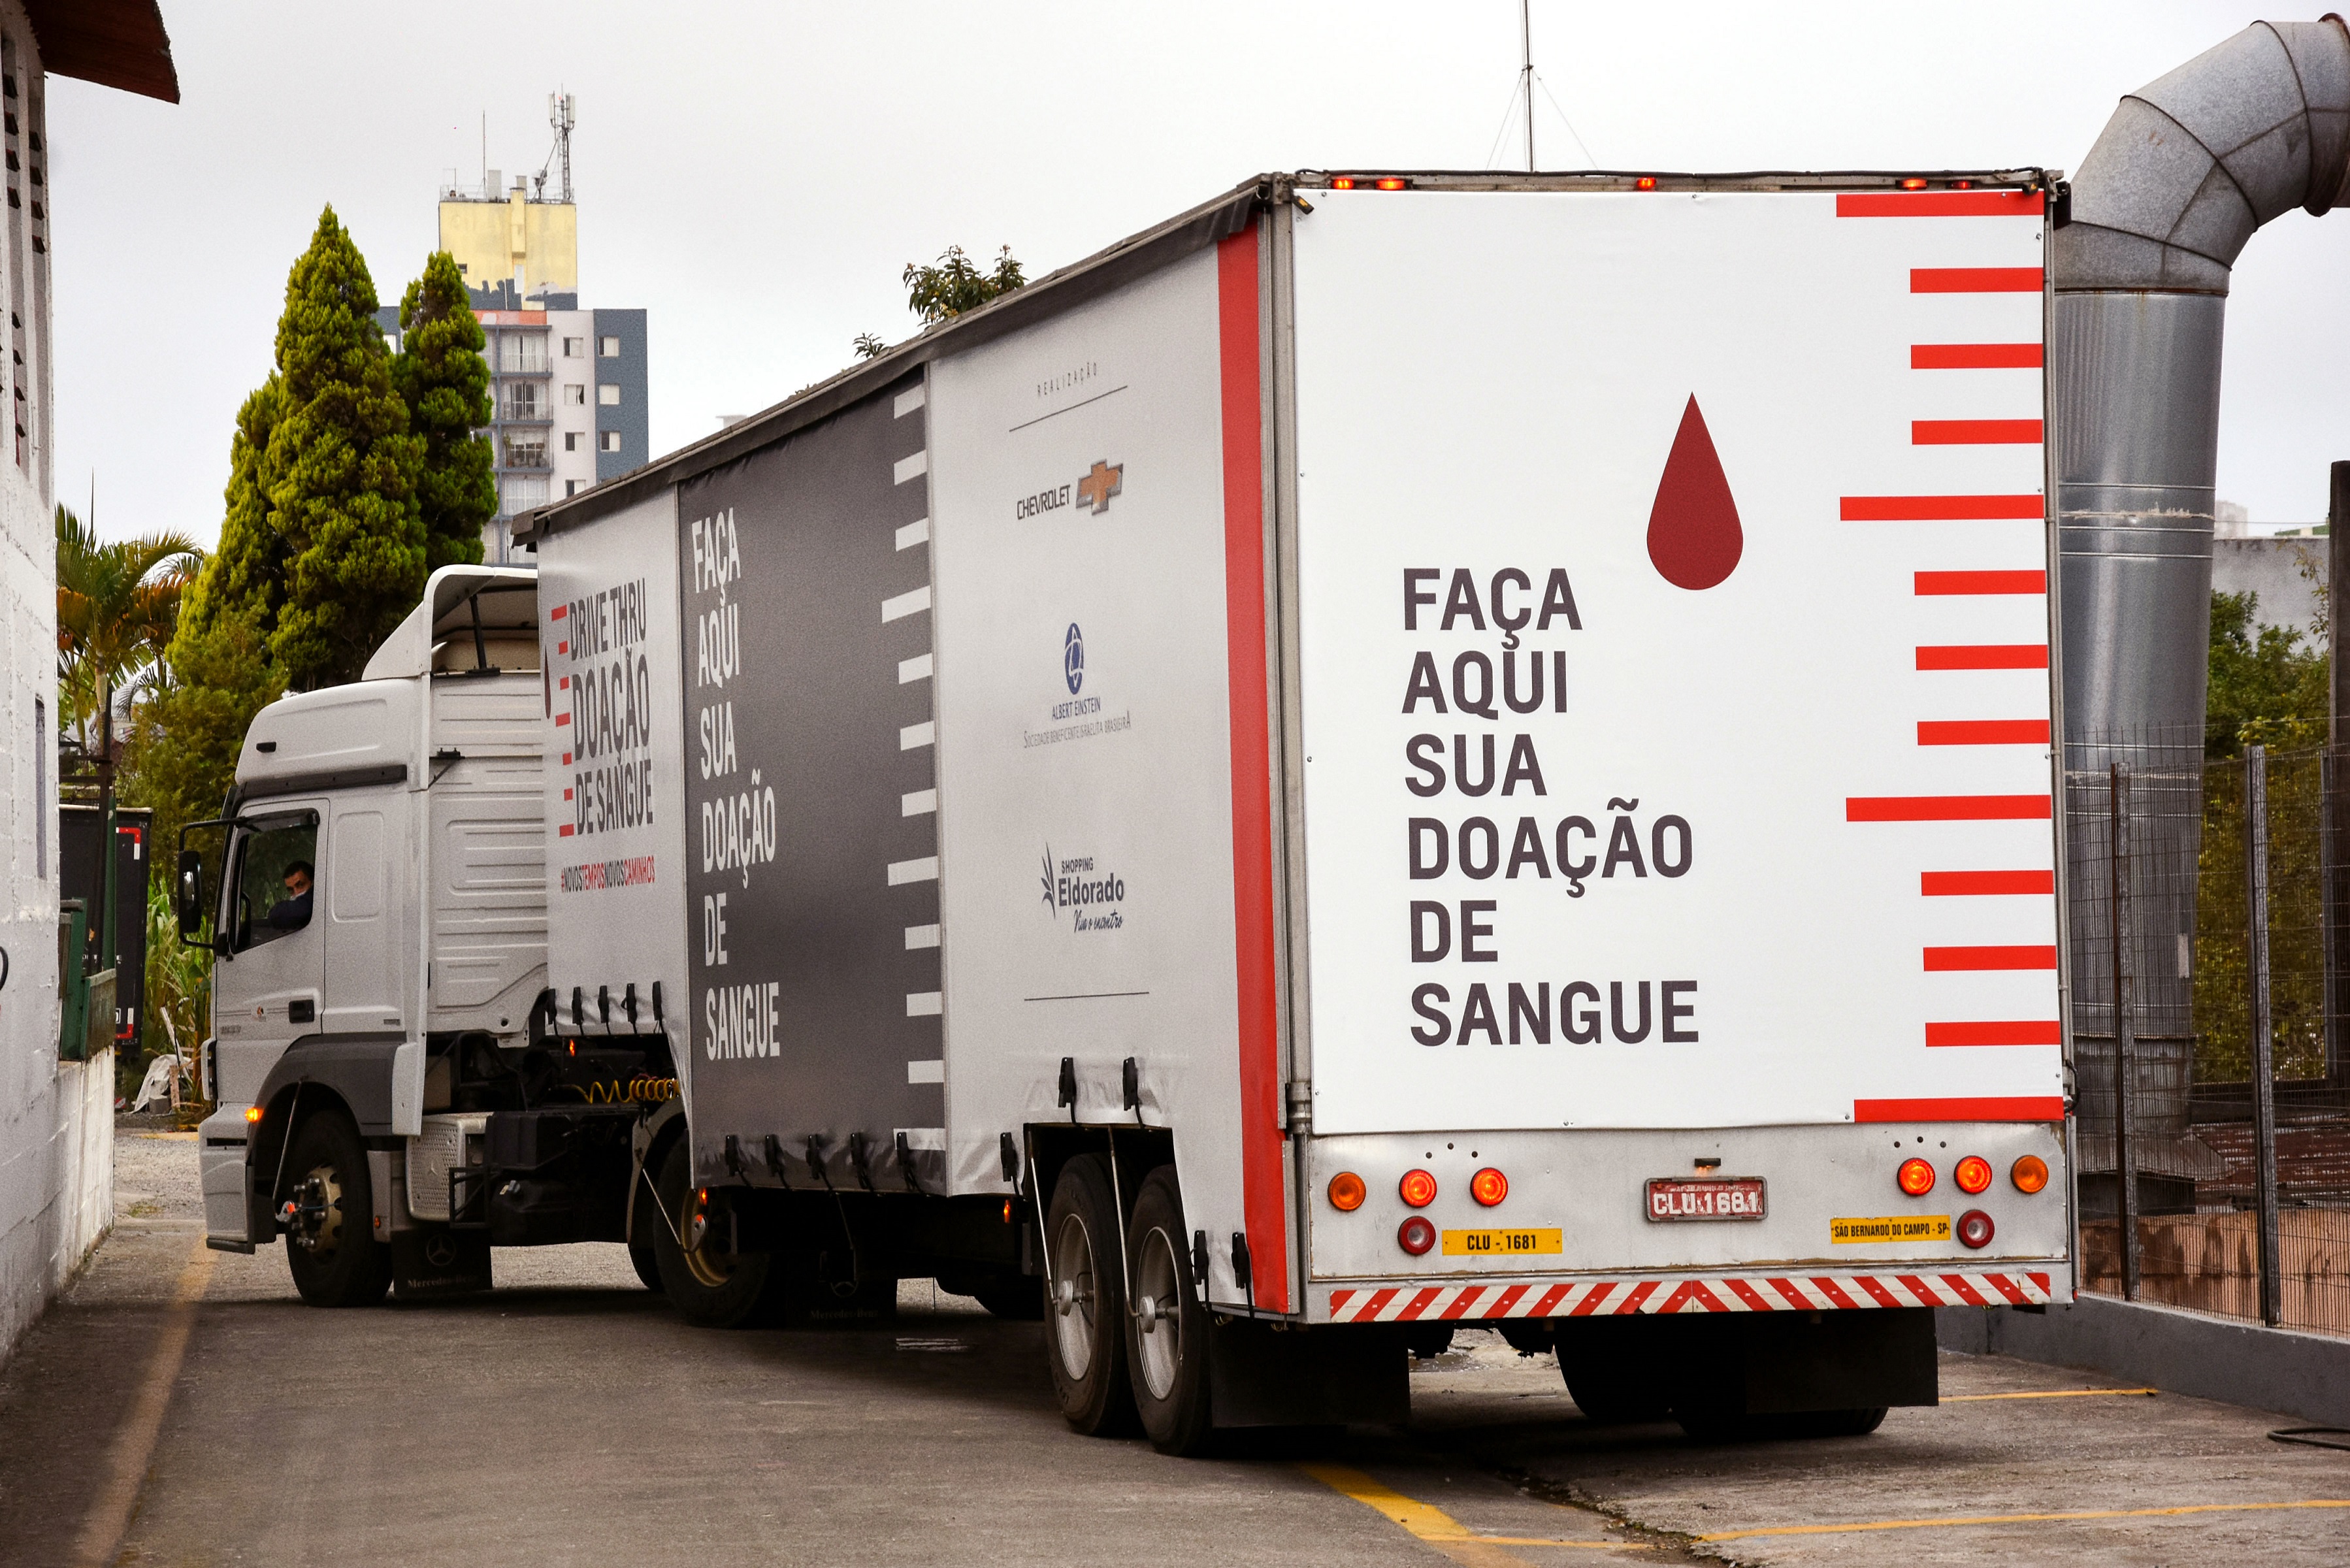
(1693, 533)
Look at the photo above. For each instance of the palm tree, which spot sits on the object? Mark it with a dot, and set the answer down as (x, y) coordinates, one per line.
(118, 604)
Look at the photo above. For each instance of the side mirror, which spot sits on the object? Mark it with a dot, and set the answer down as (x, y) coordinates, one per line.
(196, 893)
(190, 901)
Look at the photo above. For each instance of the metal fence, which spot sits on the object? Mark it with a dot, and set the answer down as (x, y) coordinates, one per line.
(2209, 897)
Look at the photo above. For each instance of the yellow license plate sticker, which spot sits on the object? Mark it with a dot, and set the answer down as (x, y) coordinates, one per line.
(1501, 1243)
(1891, 1228)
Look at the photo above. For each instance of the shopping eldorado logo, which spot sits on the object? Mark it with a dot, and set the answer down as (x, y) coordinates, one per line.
(1092, 895)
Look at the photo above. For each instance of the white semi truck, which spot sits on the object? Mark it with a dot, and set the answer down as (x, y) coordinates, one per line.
(1397, 751)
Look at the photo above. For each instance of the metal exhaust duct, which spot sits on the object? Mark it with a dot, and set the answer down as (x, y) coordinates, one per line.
(2183, 174)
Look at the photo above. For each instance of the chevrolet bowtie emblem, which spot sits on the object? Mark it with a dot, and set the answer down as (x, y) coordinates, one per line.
(1096, 487)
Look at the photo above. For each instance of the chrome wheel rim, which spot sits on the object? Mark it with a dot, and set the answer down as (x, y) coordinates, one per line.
(1073, 1297)
(316, 1212)
(1158, 1315)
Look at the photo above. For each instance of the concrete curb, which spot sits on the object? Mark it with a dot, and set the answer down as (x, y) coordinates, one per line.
(2305, 1374)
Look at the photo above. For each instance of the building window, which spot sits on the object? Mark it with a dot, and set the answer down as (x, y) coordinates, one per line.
(522, 352)
(520, 400)
(571, 440)
(609, 347)
(40, 789)
(608, 441)
(570, 487)
(525, 449)
(574, 347)
(575, 394)
(521, 491)
(608, 394)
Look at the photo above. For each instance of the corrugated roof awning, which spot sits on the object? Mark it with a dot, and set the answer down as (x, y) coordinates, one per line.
(114, 43)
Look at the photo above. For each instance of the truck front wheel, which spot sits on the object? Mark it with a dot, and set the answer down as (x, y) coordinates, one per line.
(709, 1287)
(1167, 1331)
(1085, 1318)
(329, 1212)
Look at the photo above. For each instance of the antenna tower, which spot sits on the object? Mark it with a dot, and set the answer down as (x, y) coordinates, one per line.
(559, 107)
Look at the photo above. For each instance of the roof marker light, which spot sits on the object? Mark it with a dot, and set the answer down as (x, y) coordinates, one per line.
(1972, 1174)
(1913, 183)
(2030, 1173)
(1392, 183)
(1489, 1187)
(1347, 1191)
(1417, 1189)
(1916, 1176)
(1645, 183)
(1342, 182)
(1416, 1235)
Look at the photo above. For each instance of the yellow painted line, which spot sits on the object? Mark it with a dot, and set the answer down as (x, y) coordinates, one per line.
(1437, 1527)
(2023, 1518)
(108, 1516)
(2047, 1394)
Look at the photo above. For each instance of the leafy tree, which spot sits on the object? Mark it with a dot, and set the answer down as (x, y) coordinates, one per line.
(118, 605)
(2264, 686)
(441, 375)
(946, 289)
(341, 470)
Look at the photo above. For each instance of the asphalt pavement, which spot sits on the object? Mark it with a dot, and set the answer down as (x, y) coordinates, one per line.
(181, 1407)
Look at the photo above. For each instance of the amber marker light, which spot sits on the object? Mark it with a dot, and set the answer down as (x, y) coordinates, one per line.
(1916, 1176)
(1645, 183)
(1416, 1235)
(1348, 1192)
(1489, 1187)
(2030, 1173)
(1913, 184)
(253, 1112)
(1973, 1175)
(1390, 183)
(1417, 1189)
(1342, 182)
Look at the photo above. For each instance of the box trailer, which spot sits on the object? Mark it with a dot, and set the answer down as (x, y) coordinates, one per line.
(1399, 749)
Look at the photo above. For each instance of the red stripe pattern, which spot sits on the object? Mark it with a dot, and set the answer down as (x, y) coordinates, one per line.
(1974, 433)
(1947, 808)
(1749, 1292)
(1941, 961)
(1975, 279)
(1939, 204)
(1974, 884)
(1986, 656)
(1938, 508)
(1976, 1109)
(1975, 356)
(1983, 732)
(1997, 1031)
(1929, 583)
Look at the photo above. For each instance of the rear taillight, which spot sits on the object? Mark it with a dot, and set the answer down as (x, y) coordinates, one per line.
(1417, 1189)
(1975, 1228)
(1916, 1176)
(1416, 1235)
(2030, 1173)
(1972, 1174)
(1489, 1187)
(1347, 1191)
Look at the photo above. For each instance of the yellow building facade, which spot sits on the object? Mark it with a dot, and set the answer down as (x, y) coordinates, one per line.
(536, 244)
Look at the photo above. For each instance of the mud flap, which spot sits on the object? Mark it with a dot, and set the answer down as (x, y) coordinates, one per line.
(1262, 1376)
(426, 1263)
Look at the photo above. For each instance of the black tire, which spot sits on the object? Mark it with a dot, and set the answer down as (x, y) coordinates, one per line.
(1616, 1393)
(1085, 1333)
(330, 1241)
(641, 1256)
(1167, 1331)
(1427, 1341)
(710, 1288)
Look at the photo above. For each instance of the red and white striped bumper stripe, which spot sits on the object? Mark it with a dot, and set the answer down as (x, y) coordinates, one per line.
(1772, 1292)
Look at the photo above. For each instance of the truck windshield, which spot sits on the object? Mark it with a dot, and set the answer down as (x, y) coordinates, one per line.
(276, 877)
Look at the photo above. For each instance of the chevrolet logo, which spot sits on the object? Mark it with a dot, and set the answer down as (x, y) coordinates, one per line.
(1096, 487)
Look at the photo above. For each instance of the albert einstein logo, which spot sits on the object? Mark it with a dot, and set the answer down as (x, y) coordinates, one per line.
(1092, 896)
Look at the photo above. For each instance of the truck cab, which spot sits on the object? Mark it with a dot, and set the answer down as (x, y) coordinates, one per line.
(374, 894)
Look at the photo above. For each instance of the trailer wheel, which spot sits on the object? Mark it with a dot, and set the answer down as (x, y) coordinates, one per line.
(1085, 1338)
(329, 1216)
(1167, 1329)
(643, 1258)
(710, 1288)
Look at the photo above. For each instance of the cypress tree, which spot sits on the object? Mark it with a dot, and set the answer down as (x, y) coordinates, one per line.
(441, 375)
(341, 470)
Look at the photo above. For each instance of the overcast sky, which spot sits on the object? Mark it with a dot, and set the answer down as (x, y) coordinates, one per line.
(756, 175)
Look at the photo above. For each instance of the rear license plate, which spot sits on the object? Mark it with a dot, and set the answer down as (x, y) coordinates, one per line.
(1705, 1198)
(1501, 1243)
